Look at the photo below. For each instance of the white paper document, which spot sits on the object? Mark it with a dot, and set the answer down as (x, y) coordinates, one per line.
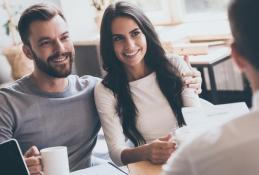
(200, 119)
(215, 114)
(101, 169)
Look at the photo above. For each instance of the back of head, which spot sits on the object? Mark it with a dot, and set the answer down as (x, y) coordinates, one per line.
(36, 12)
(243, 16)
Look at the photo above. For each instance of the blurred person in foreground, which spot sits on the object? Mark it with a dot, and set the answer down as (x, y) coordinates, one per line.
(233, 148)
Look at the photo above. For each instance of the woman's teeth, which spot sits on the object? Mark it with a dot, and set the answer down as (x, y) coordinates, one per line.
(131, 53)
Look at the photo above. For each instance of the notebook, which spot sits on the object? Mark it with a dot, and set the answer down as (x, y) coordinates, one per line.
(105, 168)
(11, 159)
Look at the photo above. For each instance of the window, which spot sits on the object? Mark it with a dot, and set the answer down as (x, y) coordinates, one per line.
(177, 11)
(159, 12)
(205, 9)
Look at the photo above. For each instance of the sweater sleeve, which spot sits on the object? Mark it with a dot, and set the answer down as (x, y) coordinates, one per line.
(112, 128)
(6, 120)
(189, 97)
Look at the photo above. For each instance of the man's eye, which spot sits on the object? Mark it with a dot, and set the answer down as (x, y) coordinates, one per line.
(65, 38)
(45, 43)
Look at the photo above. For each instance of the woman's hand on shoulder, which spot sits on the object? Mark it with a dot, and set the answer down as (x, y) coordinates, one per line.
(192, 79)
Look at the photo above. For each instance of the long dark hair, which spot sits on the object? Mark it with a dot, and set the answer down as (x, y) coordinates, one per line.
(116, 79)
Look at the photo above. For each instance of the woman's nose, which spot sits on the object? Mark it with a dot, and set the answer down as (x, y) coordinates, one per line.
(130, 43)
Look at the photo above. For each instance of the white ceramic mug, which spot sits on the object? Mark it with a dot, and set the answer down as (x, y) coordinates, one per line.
(55, 160)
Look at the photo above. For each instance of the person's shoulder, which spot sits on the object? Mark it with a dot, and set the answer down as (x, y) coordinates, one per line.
(104, 98)
(244, 123)
(213, 145)
(90, 78)
(87, 80)
(13, 91)
(218, 137)
(15, 86)
(100, 88)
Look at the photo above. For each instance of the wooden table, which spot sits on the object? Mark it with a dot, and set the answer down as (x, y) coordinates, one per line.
(144, 168)
(139, 168)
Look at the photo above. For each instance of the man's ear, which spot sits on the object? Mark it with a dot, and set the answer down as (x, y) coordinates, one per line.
(27, 51)
(239, 59)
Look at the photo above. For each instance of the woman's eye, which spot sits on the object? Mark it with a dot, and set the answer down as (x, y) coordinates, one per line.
(116, 38)
(136, 33)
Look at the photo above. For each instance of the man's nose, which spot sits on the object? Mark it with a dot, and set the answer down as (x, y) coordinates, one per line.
(59, 46)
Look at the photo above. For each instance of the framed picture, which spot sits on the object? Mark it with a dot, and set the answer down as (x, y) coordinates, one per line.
(162, 12)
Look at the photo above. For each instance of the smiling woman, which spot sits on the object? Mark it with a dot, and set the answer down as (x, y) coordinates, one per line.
(141, 95)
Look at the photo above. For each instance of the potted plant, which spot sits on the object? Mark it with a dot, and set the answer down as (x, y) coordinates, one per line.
(10, 25)
(19, 63)
(100, 6)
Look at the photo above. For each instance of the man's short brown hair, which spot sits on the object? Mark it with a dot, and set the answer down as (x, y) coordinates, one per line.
(40, 11)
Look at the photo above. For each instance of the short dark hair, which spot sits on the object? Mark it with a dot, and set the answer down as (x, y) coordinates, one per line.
(243, 16)
(39, 11)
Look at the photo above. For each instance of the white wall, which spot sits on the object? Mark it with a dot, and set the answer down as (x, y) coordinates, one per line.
(5, 40)
(79, 13)
(80, 16)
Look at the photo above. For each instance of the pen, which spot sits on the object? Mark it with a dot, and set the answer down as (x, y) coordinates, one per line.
(115, 166)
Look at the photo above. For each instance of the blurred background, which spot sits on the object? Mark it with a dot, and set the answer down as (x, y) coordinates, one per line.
(198, 28)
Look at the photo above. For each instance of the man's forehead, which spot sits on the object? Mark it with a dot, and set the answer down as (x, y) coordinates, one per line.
(48, 28)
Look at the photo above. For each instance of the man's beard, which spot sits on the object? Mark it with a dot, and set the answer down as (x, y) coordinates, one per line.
(61, 71)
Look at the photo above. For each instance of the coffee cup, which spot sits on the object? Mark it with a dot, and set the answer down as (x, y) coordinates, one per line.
(55, 160)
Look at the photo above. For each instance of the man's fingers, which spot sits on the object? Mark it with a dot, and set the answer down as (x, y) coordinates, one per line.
(34, 165)
(33, 151)
(35, 169)
(33, 161)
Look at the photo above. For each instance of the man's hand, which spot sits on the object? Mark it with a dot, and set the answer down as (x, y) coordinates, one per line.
(193, 78)
(33, 161)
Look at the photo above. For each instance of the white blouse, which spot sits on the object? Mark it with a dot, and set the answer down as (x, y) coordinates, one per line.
(155, 117)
